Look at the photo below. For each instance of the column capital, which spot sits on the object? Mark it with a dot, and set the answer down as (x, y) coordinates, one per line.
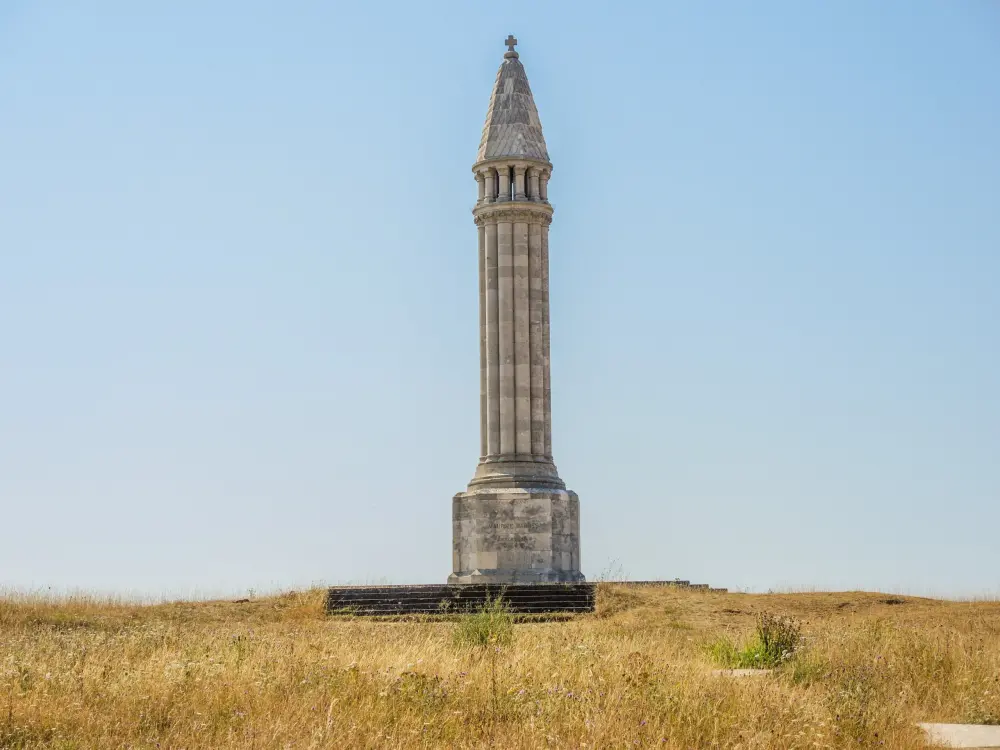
(507, 162)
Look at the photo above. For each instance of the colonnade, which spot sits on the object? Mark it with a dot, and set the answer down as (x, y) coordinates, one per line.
(513, 183)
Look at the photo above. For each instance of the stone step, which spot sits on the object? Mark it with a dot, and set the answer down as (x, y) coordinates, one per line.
(676, 582)
(434, 599)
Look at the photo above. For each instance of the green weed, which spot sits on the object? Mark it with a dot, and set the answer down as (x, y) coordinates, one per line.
(491, 625)
(774, 641)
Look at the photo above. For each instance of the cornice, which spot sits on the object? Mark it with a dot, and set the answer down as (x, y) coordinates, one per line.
(522, 212)
(512, 161)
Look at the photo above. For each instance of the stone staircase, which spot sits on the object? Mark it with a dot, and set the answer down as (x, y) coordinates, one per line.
(437, 599)
(434, 599)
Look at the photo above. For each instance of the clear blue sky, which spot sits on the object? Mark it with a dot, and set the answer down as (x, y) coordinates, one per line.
(238, 296)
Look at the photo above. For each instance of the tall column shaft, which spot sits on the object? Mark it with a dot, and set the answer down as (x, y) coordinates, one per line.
(522, 341)
(492, 406)
(483, 359)
(546, 355)
(515, 400)
(505, 302)
(535, 339)
(514, 356)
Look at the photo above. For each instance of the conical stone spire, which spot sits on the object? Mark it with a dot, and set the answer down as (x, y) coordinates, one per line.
(512, 126)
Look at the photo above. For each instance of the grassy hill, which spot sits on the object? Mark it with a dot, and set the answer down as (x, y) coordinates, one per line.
(277, 673)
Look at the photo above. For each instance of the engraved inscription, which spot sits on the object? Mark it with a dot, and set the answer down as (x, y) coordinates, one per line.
(510, 534)
(510, 526)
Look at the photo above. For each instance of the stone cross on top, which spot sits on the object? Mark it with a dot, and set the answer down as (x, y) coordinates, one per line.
(511, 41)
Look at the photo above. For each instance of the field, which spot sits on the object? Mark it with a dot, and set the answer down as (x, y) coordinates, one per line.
(277, 673)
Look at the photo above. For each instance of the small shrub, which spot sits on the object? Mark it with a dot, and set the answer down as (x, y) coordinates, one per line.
(774, 641)
(491, 625)
(778, 636)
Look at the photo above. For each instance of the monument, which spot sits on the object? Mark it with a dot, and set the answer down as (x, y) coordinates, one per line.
(516, 522)
(516, 525)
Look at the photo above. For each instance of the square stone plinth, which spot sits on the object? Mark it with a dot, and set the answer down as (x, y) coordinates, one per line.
(522, 535)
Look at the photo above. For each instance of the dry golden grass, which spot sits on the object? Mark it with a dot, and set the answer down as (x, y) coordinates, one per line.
(276, 673)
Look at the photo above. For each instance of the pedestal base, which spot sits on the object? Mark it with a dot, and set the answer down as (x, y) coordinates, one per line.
(516, 535)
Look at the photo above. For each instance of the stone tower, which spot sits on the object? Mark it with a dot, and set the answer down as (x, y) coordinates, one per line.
(517, 522)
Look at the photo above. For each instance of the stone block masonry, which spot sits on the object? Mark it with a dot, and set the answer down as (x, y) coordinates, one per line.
(516, 535)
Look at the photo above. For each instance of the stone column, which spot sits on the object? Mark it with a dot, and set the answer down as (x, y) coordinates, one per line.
(481, 180)
(547, 376)
(504, 173)
(505, 303)
(522, 343)
(517, 522)
(519, 194)
(491, 185)
(492, 341)
(483, 367)
(536, 339)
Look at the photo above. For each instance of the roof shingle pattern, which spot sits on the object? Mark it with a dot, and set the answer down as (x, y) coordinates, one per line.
(512, 126)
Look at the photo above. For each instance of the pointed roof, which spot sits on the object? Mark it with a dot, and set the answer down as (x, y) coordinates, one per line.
(512, 126)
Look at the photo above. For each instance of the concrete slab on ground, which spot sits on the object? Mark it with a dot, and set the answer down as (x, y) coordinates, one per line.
(963, 735)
